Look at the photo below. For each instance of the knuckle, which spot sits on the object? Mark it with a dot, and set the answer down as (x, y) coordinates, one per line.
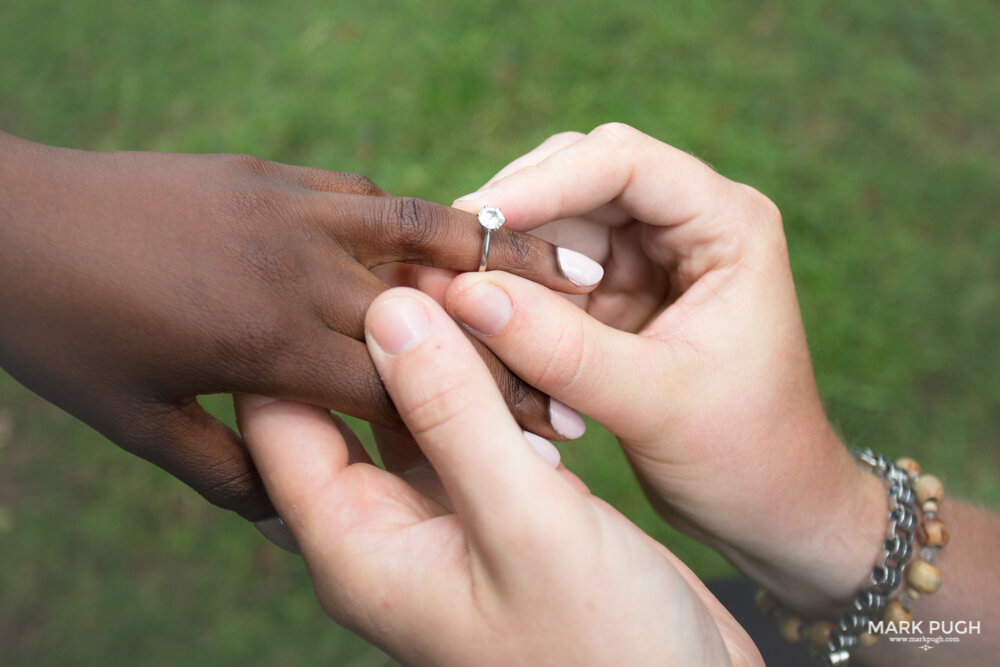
(261, 202)
(244, 191)
(358, 184)
(252, 164)
(259, 206)
(765, 209)
(764, 215)
(517, 249)
(618, 134)
(230, 482)
(560, 138)
(237, 488)
(442, 406)
(386, 414)
(410, 223)
(522, 400)
(519, 398)
(565, 361)
(365, 396)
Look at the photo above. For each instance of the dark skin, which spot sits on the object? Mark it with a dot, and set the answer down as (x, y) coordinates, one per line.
(131, 283)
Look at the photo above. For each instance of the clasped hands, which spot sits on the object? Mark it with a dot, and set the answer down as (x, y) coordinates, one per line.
(475, 546)
(481, 548)
(131, 283)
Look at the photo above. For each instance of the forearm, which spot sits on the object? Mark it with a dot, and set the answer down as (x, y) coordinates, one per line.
(29, 191)
(17, 161)
(37, 236)
(22, 187)
(22, 166)
(818, 547)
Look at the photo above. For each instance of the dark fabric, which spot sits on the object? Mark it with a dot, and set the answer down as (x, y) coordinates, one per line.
(737, 595)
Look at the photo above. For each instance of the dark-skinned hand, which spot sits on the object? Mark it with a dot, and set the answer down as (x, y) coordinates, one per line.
(131, 283)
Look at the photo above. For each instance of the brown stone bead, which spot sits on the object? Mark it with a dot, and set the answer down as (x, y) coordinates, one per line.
(895, 612)
(933, 533)
(790, 627)
(867, 640)
(819, 633)
(911, 467)
(765, 603)
(923, 576)
(928, 487)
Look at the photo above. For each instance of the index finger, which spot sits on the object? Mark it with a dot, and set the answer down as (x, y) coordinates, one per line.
(414, 231)
(650, 180)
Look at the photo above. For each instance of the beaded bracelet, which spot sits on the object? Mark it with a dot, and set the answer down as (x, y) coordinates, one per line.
(923, 575)
(832, 643)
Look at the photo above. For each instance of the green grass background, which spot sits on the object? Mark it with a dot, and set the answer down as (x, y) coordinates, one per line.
(873, 125)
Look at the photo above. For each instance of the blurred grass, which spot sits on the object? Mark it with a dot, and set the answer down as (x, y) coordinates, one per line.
(873, 125)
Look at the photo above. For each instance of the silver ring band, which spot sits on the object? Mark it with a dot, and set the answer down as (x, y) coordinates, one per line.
(491, 219)
(486, 251)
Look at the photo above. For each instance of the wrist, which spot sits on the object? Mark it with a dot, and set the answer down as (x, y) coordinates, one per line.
(36, 221)
(834, 534)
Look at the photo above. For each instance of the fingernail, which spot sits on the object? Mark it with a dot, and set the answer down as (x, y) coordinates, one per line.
(565, 420)
(580, 269)
(545, 449)
(275, 530)
(399, 325)
(485, 308)
(254, 401)
(474, 195)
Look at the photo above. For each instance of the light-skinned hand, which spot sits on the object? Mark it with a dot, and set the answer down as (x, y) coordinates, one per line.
(691, 351)
(528, 568)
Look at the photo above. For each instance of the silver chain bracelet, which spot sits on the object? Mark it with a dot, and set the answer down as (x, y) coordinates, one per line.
(888, 574)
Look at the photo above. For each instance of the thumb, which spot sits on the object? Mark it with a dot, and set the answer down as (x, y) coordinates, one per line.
(558, 348)
(454, 411)
(200, 451)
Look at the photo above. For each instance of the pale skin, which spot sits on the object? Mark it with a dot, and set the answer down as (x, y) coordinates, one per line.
(770, 484)
(527, 569)
(692, 351)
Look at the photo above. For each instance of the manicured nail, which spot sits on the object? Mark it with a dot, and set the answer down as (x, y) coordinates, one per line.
(580, 269)
(399, 325)
(545, 449)
(474, 195)
(565, 420)
(484, 308)
(275, 530)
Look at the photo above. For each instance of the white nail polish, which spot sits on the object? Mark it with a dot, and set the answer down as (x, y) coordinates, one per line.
(545, 449)
(580, 269)
(474, 195)
(565, 420)
(275, 530)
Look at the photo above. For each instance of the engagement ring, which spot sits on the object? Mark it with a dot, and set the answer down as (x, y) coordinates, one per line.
(491, 219)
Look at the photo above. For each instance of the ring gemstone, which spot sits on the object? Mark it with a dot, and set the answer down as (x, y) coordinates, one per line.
(491, 218)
